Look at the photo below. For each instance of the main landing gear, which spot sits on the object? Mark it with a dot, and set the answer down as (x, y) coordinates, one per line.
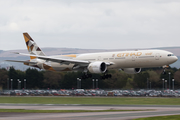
(86, 76)
(106, 76)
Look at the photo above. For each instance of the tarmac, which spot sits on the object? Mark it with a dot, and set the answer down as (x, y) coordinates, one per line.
(149, 111)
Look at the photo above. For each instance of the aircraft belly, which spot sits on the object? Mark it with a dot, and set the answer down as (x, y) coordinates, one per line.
(130, 62)
(62, 67)
(141, 63)
(137, 63)
(118, 64)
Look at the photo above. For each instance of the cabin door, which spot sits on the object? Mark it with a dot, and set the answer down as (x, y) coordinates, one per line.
(99, 58)
(133, 58)
(157, 56)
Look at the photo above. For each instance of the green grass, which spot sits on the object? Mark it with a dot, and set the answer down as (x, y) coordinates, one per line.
(171, 117)
(91, 100)
(59, 111)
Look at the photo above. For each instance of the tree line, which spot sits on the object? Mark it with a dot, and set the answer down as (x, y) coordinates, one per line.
(35, 79)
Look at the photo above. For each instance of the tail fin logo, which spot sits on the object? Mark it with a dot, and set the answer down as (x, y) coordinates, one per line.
(32, 46)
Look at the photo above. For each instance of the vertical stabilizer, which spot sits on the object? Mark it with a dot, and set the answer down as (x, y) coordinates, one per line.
(32, 46)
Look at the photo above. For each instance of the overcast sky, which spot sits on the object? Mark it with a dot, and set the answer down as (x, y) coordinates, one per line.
(95, 24)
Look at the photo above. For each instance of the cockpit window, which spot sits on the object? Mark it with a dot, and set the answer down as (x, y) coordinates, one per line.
(170, 55)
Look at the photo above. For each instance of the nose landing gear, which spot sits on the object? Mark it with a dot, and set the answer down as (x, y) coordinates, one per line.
(164, 72)
(164, 69)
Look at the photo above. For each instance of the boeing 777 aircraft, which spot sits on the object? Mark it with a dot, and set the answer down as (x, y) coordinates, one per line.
(129, 61)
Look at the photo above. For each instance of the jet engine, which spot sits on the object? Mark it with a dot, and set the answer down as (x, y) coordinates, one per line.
(97, 67)
(132, 70)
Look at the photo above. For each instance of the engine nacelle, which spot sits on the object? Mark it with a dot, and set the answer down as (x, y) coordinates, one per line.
(97, 67)
(132, 70)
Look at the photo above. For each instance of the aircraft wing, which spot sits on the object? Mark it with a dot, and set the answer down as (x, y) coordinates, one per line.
(58, 60)
(21, 61)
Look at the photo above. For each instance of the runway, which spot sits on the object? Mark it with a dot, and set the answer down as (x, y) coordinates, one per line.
(153, 110)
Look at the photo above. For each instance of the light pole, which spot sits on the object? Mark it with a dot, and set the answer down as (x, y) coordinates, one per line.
(96, 83)
(150, 85)
(19, 85)
(8, 83)
(147, 83)
(80, 83)
(93, 83)
(24, 83)
(173, 83)
(166, 84)
(163, 83)
(11, 84)
(169, 79)
(77, 83)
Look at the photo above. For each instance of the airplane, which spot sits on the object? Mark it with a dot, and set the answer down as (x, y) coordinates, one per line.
(129, 61)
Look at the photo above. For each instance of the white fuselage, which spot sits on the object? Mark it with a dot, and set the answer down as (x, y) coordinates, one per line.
(129, 61)
(123, 59)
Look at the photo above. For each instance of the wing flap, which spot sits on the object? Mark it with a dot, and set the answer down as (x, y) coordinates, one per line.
(21, 61)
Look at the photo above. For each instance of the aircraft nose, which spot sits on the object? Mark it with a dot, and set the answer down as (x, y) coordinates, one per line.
(172, 59)
(176, 58)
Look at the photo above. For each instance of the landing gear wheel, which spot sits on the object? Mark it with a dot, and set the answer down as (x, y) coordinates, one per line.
(103, 77)
(164, 72)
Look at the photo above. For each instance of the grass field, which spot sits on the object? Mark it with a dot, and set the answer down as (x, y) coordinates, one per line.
(171, 117)
(92, 100)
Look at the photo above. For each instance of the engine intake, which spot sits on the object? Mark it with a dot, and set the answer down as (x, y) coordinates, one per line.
(132, 70)
(97, 67)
